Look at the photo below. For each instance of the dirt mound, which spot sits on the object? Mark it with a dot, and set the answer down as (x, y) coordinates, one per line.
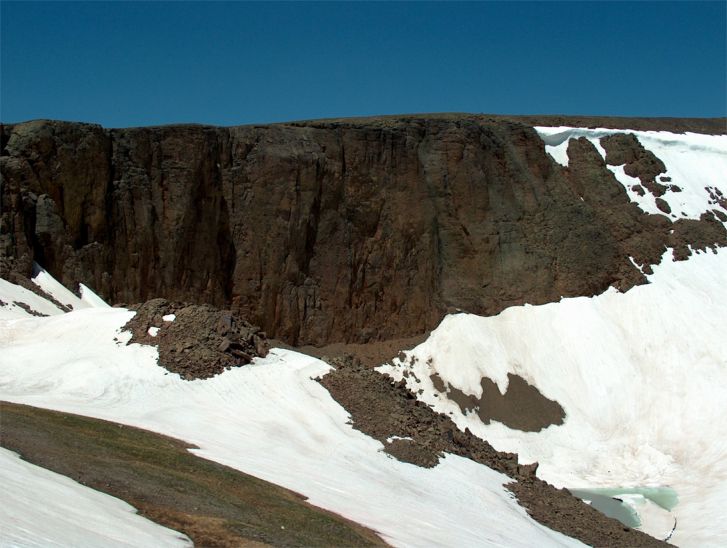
(196, 341)
(412, 432)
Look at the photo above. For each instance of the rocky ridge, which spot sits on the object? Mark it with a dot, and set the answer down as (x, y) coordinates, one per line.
(340, 230)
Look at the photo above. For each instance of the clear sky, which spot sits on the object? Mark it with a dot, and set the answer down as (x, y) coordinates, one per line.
(131, 63)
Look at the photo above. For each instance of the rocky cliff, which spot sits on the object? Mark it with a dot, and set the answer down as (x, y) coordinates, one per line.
(341, 230)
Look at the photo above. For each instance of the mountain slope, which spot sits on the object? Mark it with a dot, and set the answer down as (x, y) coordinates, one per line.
(214, 505)
(270, 419)
(40, 508)
(641, 377)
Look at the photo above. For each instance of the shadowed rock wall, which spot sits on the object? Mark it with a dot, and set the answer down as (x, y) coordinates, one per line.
(323, 231)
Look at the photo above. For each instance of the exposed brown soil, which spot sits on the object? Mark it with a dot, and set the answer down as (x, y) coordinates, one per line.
(214, 505)
(522, 406)
(28, 309)
(200, 342)
(206, 531)
(663, 205)
(382, 409)
(703, 234)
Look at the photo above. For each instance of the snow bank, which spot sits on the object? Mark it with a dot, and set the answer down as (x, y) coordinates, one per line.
(642, 377)
(90, 298)
(42, 508)
(57, 290)
(269, 419)
(11, 294)
(693, 162)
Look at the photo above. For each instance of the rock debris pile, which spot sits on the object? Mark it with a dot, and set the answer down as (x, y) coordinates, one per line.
(196, 341)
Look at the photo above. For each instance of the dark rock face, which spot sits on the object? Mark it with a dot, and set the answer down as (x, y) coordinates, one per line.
(196, 341)
(323, 231)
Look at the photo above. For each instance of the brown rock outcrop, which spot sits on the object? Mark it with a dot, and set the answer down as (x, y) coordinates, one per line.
(625, 149)
(196, 341)
(324, 231)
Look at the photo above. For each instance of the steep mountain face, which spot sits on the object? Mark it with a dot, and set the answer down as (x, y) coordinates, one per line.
(334, 230)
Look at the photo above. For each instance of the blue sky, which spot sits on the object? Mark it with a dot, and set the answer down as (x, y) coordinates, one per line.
(130, 63)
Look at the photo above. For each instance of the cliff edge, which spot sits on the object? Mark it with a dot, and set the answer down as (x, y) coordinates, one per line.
(337, 230)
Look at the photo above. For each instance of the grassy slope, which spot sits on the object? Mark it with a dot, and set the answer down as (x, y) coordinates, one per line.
(213, 504)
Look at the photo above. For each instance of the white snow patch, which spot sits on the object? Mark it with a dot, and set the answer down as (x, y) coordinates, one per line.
(11, 294)
(41, 508)
(637, 265)
(641, 375)
(90, 298)
(559, 152)
(269, 419)
(394, 438)
(63, 295)
(655, 520)
(646, 202)
(169, 317)
(556, 141)
(693, 162)
(56, 289)
(153, 331)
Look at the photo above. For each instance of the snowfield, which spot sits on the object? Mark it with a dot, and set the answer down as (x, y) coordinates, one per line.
(269, 419)
(693, 162)
(641, 375)
(41, 508)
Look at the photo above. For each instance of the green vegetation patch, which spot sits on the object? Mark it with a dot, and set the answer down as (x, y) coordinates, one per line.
(213, 504)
